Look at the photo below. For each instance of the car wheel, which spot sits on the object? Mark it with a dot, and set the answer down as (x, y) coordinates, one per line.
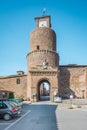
(7, 117)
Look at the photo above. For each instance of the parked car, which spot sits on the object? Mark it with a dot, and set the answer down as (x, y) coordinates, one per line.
(57, 99)
(16, 102)
(8, 110)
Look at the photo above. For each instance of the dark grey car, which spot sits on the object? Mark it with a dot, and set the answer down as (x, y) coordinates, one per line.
(8, 110)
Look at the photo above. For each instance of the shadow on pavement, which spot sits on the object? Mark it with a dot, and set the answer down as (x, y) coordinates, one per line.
(44, 116)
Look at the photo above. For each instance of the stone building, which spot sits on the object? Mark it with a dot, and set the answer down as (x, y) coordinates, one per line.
(43, 67)
(15, 83)
(43, 60)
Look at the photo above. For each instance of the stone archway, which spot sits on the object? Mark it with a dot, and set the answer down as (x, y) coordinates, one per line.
(43, 90)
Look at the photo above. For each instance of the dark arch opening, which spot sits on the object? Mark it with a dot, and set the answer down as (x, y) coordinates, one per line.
(44, 90)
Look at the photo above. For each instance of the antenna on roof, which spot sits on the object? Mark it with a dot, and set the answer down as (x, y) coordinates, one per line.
(44, 11)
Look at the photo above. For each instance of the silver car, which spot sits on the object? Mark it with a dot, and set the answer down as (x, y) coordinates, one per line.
(8, 110)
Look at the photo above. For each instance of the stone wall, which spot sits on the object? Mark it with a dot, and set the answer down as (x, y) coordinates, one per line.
(37, 58)
(45, 38)
(16, 84)
(38, 77)
(73, 79)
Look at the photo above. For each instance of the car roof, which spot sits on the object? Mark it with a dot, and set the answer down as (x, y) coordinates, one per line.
(3, 99)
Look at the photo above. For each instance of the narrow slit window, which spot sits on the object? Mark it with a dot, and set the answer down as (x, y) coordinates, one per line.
(18, 81)
(38, 47)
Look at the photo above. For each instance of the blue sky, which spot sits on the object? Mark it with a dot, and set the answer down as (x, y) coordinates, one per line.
(68, 18)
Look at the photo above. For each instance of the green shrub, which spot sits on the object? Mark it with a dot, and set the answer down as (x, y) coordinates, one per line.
(11, 95)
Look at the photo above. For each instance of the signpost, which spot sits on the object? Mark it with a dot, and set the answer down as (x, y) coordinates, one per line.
(83, 89)
(33, 95)
(71, 97)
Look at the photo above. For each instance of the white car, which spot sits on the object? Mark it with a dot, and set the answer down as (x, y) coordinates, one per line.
(57, 99)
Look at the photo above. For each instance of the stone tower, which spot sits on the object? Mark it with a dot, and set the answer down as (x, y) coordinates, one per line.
(42, 60)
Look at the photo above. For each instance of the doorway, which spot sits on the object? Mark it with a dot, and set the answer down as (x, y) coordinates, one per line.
(44, 91)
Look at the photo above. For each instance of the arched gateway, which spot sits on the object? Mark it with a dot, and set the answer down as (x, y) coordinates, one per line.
(43, 90)
(42, 61)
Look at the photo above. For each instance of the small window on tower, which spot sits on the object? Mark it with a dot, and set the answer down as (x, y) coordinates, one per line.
(18, 81)
(38, 47)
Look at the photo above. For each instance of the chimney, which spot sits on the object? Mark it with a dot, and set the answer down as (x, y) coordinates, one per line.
(20, 72)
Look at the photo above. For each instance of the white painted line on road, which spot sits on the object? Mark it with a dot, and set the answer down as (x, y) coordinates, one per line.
(5, 123)
(17, 120)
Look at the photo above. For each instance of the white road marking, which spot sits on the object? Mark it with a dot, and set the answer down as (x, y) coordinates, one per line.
(5, 123)
(17, 120)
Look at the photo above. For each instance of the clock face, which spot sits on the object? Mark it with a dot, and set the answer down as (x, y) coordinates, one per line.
(42, 23)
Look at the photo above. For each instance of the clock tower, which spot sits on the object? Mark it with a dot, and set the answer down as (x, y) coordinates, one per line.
(42, 60)
(43, 21)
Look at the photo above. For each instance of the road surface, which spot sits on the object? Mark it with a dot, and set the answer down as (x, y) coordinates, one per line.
(47, 116)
